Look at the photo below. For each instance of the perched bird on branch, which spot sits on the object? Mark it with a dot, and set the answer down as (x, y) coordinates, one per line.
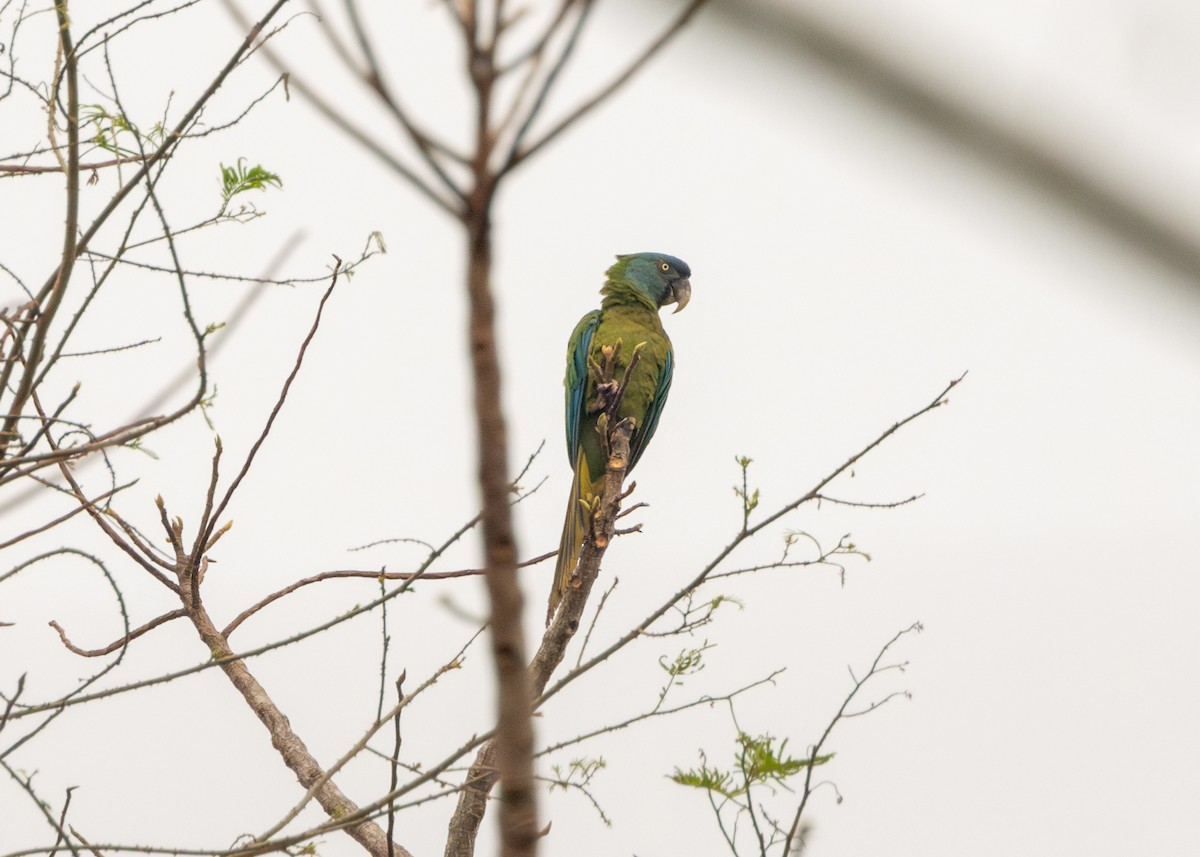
(625, 329)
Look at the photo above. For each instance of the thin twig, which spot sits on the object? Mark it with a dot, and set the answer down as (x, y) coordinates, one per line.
(514, 151)
(75, 511)
(657, 712)
(339, 120)
(120, 643)
(453, 664)
(395, 766)
(99, 517)
(595, 616)
(349, 574)
(24, 169)
(26, 784)
(51, 299)
(9, 702)
(815, 750)
(823, 498)
(221, 660)
(518, 156)
(208, 530)
(377, 82)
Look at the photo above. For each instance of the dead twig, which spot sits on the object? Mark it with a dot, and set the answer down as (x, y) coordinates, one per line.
(120, 643)
(25, 169)
(369, 575)
(209, 524)
(815, 749)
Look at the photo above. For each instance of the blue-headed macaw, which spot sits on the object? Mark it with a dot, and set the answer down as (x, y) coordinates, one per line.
(634, 290)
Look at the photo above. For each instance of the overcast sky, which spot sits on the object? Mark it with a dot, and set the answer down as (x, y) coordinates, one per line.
(848, 261)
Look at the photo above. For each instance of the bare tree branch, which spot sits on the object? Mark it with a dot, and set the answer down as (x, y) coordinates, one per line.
(349, 574)
(210, 521)
(24, 169)
(519, 155)
(51, 301)
(291, 748)
(123, 641)
(815, 749)
(341, 121)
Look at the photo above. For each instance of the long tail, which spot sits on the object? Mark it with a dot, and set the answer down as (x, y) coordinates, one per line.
(571, 543)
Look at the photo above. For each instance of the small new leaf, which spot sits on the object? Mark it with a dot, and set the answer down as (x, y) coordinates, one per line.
(749, 498)
(108, 128)
(762, 762)
(240, 178)
(136, 446)
(704, 777)
(579, 772)
(718, 600)
(206, 404)
(687, 662)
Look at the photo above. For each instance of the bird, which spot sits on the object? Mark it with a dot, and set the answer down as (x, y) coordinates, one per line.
(635, 288)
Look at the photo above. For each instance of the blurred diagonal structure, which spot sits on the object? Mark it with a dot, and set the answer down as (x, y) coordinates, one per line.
(1078, 159)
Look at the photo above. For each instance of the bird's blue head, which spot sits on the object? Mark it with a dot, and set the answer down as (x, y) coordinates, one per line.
(656, 278)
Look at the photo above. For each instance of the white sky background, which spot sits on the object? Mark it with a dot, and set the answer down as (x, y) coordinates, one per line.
(848, 262)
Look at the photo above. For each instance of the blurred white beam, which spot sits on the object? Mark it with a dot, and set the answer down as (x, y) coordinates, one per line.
(1083, 161)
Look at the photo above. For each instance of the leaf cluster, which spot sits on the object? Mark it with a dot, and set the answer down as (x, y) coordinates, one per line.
(109, 129)
(749, 498)
(579, 772)
(239, 178)
(759, 762)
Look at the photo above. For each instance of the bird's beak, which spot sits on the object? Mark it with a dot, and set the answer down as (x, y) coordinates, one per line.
(682, 292)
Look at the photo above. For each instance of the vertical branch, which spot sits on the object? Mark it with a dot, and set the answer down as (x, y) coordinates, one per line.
(383, 655)
(70, 237)
(513, 746)
(514, 739)
(391, 813)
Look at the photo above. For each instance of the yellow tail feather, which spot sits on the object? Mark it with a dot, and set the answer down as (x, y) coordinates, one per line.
(571, 543)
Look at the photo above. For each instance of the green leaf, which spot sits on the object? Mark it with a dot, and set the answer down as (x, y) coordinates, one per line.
(108, 128)
(708, 779)
(240, 178)
(579, 772)
(759, 762)
(763, 762)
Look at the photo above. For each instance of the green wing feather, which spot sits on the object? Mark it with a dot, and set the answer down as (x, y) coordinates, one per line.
(576, 383)
(649, 421)
(577, 378)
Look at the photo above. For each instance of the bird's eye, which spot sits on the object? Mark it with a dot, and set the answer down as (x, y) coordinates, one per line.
(664, 266)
